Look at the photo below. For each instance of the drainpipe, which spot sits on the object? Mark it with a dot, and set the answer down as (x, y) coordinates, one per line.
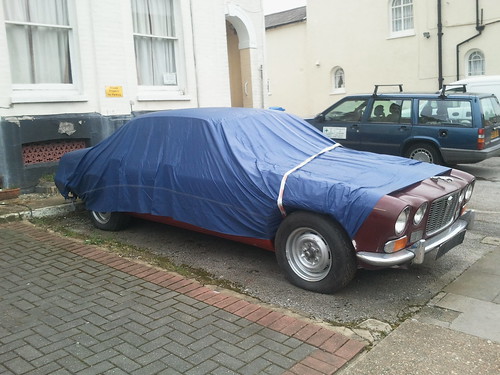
(261, 70)
(479, 27)
(196, 78)
(440, 46)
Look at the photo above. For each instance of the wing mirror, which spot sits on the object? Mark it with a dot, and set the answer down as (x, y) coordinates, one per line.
(320, 118)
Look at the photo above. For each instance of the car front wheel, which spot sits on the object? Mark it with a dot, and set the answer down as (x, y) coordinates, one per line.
(315, 253)
(110, 221)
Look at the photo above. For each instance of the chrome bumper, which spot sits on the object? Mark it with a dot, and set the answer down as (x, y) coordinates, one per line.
(416, 252)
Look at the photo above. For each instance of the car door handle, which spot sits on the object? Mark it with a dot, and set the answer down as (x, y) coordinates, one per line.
(355, 127)
(403, 128)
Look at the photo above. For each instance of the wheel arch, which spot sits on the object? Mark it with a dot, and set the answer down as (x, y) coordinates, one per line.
(426, 140)
(327, 216)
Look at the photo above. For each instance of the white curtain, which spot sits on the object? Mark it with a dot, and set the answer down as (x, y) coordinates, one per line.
(402, 15)
(476, 63)
(155, 54)
(408, 15)
(39, 54)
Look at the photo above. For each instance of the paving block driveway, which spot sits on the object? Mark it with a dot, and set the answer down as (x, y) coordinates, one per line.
(71, 308)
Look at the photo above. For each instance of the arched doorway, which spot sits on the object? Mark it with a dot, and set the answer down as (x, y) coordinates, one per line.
(240, 42)
(234, 63)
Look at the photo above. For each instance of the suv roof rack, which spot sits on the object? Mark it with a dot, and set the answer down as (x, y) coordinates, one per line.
(400, 85)
(463, 86)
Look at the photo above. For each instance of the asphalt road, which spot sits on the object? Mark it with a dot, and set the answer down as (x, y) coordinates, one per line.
(389, 295)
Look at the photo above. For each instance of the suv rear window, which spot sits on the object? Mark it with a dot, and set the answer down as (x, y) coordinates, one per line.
(451, 112)
(491, 111)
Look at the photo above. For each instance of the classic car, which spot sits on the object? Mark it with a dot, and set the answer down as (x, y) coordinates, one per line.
(270, 179)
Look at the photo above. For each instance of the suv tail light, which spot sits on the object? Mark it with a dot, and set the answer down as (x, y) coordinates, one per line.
(480, 139)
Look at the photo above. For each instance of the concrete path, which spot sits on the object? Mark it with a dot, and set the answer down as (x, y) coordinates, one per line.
(458, 332)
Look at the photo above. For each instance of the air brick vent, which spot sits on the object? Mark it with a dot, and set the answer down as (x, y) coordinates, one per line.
(43, 152)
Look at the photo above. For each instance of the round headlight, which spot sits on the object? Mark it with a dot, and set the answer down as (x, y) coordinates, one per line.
(468, 192)
(462, 196)
(401, 222)
(419, 215)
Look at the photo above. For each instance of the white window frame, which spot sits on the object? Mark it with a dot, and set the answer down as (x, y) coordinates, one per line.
(335, 87)
(53, 92)
(166, 92)
(399, 4)
(471, 59)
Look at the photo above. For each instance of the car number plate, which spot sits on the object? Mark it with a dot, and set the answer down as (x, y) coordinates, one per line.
(495, 133)
(450, 244)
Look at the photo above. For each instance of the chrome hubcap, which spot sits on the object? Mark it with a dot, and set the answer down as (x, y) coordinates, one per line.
(308, 254)
(102, 217)
(421, 155)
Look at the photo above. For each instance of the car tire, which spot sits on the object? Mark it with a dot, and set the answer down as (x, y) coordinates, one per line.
(109, 221)
(315, 253)
(424, 152)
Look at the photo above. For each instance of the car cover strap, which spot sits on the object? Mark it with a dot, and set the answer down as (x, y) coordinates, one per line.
(285, 176)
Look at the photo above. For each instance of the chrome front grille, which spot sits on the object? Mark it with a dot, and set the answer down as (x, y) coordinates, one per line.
(442, 213)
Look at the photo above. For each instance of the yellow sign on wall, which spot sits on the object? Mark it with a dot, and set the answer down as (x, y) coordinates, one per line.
(114, 91)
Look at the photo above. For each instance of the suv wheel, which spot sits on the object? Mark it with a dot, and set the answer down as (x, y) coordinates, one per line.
(424, 152)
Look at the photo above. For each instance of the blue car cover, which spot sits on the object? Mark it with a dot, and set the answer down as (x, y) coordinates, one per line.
(221, 169)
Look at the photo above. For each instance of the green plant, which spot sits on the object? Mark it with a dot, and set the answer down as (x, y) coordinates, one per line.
(47, 178)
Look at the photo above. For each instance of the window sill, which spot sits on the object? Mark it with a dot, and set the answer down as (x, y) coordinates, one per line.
(338, 91)
(35, 96)
(402, 34)
(156, 96)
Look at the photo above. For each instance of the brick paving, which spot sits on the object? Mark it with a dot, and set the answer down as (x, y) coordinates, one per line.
(71, 308)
